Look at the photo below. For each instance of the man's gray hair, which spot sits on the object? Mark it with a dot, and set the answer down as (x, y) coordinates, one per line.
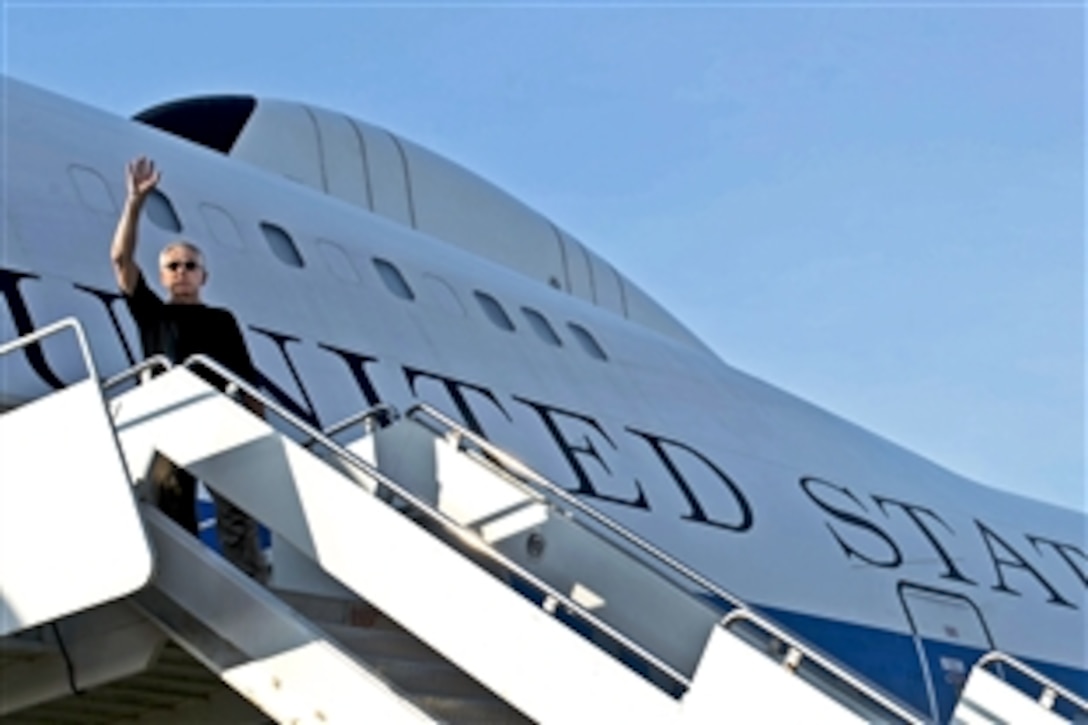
(182, 244)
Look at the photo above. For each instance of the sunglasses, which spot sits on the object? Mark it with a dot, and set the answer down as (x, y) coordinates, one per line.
(188, 265)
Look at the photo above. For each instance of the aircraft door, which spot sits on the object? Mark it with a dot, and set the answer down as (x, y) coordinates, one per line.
(949, 634)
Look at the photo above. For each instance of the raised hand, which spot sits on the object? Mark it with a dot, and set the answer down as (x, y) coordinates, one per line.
(141, 177)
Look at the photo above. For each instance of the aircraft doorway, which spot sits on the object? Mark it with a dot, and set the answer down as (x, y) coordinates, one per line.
(949, 635)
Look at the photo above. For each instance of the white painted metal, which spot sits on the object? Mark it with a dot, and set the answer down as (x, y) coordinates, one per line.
(484, 488)
(343, 158)
(291, 670)
(766, 440)
(500, 227)
(802, 662)
(988, 700)
(288, 147)
(759, 690)
(409, 664)
(607, 292)
(50, 570)
(484, 627)
(471, 618)
(388, 180)
(391, 176)
(519, 523)
(258, 645)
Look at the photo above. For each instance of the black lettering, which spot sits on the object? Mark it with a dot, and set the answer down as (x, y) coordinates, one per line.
(24, 324)
(697, 513)
(1016, 562)
(306, 413)
(357, 365)
(912, 511)
(1063, 551)
(454, 389)
(895, 557)
(571, 452)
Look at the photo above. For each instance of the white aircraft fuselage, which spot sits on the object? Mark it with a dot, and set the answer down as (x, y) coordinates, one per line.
(900, 569)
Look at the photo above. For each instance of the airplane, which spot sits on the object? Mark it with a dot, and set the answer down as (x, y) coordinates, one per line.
(366, 270)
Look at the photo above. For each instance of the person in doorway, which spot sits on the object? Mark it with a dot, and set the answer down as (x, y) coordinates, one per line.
(180, 327)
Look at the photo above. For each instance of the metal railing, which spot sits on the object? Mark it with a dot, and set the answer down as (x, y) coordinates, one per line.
(454, 431)
(53, 329)
(376, 416)
(553, 596)
(1050, 690)
(155, 361)
(798, 650)
(793, 653)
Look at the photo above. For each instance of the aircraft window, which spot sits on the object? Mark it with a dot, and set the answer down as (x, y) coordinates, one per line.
(541, 327)
(393, 279)
(338, 260)
(161, 212)
(587, 342)
(494, 311)
(222, 226)
(92, 190)
(281, 245)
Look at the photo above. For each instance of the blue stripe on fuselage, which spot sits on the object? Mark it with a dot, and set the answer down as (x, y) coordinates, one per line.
(887, 659)
(890, 660)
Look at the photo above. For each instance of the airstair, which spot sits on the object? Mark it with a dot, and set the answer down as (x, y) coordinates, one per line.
(420, 575)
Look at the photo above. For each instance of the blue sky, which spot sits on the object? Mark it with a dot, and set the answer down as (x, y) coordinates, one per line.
(879, 207)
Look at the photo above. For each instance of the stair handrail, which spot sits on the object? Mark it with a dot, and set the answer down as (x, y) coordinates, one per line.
(52, 329)
(797, 650)
(553, 597)
(1051, 690)
(524, 472)
(364, 416)
(155, 361)
(456, 432)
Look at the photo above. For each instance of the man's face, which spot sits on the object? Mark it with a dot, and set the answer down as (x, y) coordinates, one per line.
(182, 273)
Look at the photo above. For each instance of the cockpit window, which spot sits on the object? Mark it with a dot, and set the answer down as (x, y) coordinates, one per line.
(212, 121)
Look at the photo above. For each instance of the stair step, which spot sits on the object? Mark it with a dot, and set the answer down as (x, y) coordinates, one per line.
(408, 663)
